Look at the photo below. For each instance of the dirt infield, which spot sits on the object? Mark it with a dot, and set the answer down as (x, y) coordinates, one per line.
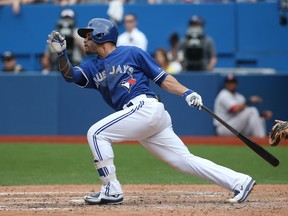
(142, 200)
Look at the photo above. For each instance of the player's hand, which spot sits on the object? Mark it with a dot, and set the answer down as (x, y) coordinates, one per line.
(57, 42)
(193, 99)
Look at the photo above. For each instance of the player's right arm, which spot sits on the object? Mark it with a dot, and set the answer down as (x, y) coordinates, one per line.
(167, 81)
(58, 44)
(172, 85)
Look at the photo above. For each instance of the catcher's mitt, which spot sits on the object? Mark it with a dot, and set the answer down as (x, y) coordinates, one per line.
(279, 131)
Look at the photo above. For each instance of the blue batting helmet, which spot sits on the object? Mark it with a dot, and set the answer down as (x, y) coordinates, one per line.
(102, 30)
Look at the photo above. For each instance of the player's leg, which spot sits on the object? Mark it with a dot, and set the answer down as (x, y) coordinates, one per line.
(117, 127)
(167, 146)
(100, 136)
(111, 191)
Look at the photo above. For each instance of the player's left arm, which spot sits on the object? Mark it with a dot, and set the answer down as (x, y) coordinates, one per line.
(58, 44)
(172, 85)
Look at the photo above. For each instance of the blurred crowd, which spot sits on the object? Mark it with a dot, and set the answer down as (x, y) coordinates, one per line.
(196, 51)
(16, 3)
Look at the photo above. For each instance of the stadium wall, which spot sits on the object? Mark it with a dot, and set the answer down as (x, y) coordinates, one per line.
(246, 35)
(47, 105)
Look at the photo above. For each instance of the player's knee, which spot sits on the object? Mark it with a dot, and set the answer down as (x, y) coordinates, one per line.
(93, 132)
(90, 132)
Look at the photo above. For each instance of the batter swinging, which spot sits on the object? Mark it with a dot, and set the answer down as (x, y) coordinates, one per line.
(121, 75)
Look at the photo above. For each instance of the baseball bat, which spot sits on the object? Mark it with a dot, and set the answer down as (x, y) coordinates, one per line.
(254, 146)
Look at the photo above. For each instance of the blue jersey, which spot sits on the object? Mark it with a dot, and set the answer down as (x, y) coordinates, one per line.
(121, 75)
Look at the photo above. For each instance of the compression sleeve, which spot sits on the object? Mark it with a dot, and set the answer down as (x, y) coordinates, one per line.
(67, 70)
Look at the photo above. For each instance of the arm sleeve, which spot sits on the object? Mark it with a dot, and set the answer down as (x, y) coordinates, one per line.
(69, 73)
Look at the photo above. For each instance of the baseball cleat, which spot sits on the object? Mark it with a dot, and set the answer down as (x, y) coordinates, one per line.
(243, 191)
(102, 199)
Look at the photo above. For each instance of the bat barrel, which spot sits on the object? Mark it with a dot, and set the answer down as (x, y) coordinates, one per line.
(254, 146)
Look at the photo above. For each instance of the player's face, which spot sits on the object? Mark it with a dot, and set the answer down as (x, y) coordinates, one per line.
(90, 46)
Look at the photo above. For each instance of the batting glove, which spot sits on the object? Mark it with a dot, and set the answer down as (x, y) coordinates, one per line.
(193, 99)
(57, 43)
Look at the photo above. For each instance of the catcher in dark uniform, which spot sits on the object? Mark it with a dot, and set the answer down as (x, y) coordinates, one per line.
(279, 131)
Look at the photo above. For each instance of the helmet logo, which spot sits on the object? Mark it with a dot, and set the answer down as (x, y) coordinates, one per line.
(99, 35)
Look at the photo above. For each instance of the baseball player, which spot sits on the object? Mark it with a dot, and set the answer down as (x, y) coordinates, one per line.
(121, 75)
(233, 108)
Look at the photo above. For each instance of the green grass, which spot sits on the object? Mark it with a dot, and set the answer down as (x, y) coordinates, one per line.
(29, 164)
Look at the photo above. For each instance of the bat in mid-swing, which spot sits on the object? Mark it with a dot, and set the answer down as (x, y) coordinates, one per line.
(254, 146)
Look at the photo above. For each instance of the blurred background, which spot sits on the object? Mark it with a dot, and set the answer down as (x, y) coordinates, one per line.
(250, 39)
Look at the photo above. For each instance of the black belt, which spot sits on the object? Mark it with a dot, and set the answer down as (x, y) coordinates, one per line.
(148, 96)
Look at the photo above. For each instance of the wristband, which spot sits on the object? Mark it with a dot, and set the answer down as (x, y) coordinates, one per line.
(61, 53)
(189, 91)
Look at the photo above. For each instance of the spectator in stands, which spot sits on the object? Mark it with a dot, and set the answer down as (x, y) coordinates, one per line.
(66, 2)
(115, 11)
(174, 41)
(161, 57)
(253, 1)
(132, 36)
(66, 25)
(197, 51)
(94, 1)
(10, 64)
(235, 109)
(46, 66)
(16, 4)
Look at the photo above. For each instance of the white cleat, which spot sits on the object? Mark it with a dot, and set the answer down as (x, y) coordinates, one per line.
(241, 193)
(102, 199)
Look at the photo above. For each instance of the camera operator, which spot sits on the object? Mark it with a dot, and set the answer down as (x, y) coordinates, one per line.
(197, 51)
(66, 25)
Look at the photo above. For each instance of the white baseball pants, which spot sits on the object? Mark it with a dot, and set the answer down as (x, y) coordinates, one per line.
(149, 123)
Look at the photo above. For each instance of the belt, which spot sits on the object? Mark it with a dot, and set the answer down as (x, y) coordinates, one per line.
(139, 98)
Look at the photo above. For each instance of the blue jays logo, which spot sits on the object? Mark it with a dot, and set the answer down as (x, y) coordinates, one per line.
(127, 83)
